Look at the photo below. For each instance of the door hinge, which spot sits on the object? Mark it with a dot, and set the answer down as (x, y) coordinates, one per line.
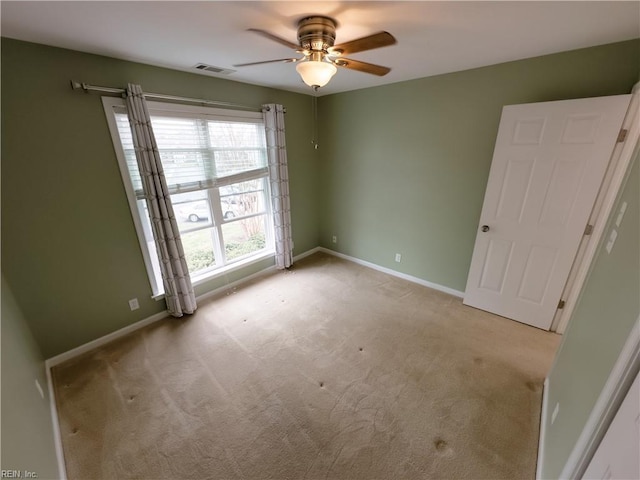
(622, 135)
(588, 230)
(560, 304)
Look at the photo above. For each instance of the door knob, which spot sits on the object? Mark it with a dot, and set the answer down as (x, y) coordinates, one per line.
(485, 228)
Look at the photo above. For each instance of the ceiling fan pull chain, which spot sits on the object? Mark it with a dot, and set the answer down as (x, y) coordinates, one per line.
(314, 119)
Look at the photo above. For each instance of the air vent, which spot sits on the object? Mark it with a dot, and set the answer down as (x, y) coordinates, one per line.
(212, 69)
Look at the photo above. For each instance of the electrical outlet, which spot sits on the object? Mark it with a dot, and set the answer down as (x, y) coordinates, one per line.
(133, 304)
(39, 388)
(334, 239)
(398, 257)
(555, 413)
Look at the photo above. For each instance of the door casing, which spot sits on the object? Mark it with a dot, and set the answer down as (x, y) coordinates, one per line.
(613, 181)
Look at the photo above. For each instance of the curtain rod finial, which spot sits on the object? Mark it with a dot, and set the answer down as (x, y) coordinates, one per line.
(79, 86)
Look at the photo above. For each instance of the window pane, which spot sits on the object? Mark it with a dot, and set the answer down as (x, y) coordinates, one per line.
(238, 147)
(124, 130)
(185, 169)
(183, 144)
(178, 132)
(151, 244)
(243, 237)
(219, 222)
(242, 199)
(191, 210)
(198, 250)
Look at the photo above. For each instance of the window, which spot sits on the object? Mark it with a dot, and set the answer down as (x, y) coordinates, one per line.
(215, 163)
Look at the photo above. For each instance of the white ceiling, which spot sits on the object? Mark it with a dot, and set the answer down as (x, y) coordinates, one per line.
(433, 37)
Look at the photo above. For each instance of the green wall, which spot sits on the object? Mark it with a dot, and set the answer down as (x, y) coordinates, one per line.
(405, 166)
(608, 308)
(27, 433)
(401, 168)
(69, 247)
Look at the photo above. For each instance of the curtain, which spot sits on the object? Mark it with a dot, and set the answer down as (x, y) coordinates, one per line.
(178, 290)
(279, 177)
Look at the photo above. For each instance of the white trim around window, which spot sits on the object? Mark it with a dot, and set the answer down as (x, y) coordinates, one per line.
(233, 201)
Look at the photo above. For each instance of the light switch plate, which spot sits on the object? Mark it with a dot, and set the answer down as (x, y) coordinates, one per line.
(555, 413)
(623, 208)
(612, 240)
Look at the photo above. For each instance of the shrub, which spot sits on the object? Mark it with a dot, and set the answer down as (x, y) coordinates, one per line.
(200, 259)
(254, 243)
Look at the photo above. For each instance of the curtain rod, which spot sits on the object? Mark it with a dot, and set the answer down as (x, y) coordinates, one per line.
(159, 96)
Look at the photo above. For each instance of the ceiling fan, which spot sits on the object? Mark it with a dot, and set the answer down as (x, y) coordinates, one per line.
(316, 37)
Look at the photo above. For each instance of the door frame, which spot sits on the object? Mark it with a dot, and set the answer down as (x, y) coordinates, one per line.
(612, 395)
(605, 201)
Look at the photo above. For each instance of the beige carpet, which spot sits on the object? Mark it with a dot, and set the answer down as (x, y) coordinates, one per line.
(328, 371)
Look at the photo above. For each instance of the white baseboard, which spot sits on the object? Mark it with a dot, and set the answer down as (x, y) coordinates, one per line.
(543, 428)
(57, 437)
(261, 273)
(216, 291)
(98, 342)
(404, 276)
(307, 253)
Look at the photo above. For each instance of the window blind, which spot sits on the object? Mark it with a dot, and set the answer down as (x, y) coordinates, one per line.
(200, 153)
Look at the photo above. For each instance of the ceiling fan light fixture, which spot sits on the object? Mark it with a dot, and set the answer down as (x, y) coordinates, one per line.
(316, 73)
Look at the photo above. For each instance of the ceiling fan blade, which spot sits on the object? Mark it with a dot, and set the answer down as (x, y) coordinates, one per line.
(281, 60)
(361, 66)
(377, 40)
(275, 38)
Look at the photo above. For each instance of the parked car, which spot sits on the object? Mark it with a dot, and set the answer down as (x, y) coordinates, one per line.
(197, 211)
(194, 211)
(230, 208)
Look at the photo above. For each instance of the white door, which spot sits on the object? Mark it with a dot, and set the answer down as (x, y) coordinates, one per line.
(618, 455)
(548, 164)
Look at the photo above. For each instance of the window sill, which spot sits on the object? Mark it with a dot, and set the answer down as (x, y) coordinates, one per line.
(206, 277)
